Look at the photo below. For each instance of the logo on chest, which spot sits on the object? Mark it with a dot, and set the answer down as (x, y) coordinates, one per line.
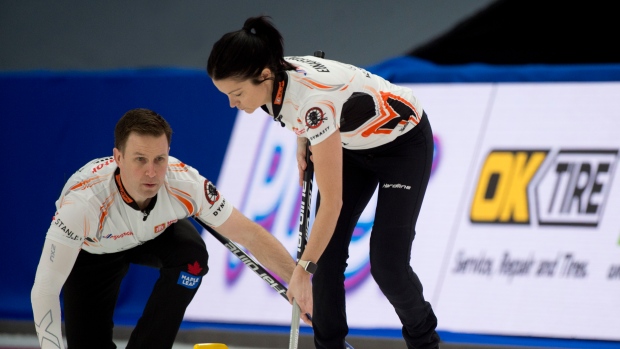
(161, 227)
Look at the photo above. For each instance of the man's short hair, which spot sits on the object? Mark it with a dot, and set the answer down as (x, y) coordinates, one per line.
(143, 122)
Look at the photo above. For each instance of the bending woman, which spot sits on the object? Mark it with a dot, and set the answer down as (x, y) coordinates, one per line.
(363, 131)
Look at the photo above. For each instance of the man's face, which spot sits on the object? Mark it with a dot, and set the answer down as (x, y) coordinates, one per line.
(143, 165)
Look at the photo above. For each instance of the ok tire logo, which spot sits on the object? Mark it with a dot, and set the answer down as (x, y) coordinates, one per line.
(568, 187)
(573, 189)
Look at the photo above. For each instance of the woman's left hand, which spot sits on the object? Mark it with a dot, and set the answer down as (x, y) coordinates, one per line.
(300, 289)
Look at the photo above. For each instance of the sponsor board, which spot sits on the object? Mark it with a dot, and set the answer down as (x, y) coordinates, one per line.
(518, 233)
(535, 249)
(571, 186)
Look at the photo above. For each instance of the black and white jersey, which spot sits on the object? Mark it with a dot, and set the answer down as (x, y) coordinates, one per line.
(95, 213)
(322, 95)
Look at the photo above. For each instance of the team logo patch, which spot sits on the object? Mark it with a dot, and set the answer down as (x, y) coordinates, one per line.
(190, 279)
(211, 192)
(159, 228)
(314, 117)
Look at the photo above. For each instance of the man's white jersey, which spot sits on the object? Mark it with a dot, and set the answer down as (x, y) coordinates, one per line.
(321, 96)
(95, 212)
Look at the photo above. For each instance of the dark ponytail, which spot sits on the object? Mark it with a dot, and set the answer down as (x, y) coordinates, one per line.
(243, 54)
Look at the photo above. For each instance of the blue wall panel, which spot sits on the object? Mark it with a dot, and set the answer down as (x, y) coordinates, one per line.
(53, 123)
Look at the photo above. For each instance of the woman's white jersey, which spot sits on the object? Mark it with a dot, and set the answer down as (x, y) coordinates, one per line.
(321, 96)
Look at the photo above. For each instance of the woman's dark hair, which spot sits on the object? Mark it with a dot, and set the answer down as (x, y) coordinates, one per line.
(243, 54)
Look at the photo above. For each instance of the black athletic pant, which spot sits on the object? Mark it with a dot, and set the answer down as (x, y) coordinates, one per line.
(91, 291)
(401, 169)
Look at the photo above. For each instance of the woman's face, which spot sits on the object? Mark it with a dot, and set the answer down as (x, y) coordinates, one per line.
(245, 95)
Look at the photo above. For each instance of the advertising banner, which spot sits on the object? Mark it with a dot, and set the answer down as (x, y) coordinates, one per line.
(519, 232)
(537, 249)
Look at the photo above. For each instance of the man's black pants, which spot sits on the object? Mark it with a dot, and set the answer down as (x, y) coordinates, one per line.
(91, 291)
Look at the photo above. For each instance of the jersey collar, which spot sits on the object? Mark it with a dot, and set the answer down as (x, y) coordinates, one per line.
(128, 199)
(280, 84)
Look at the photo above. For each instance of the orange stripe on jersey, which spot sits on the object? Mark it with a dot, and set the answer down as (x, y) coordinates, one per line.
(305, 84)
(310, 83)
(182, 192)
(65, 201)
(295, 106)
(87, 183)
(184, 198)
(102, 217)
(317, 84)
(347, 85)
(330, 105)
(103, 211)
(415, 118)
(387, 113)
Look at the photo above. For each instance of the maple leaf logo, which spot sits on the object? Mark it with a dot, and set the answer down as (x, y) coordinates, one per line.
(194, 269)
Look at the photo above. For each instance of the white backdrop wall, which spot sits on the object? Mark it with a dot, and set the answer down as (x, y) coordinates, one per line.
(519, 232)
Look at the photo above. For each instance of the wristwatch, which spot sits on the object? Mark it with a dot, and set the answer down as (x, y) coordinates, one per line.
(308, 266)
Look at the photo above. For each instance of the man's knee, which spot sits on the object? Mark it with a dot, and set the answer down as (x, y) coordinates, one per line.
(188, 262)
(189, 248)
